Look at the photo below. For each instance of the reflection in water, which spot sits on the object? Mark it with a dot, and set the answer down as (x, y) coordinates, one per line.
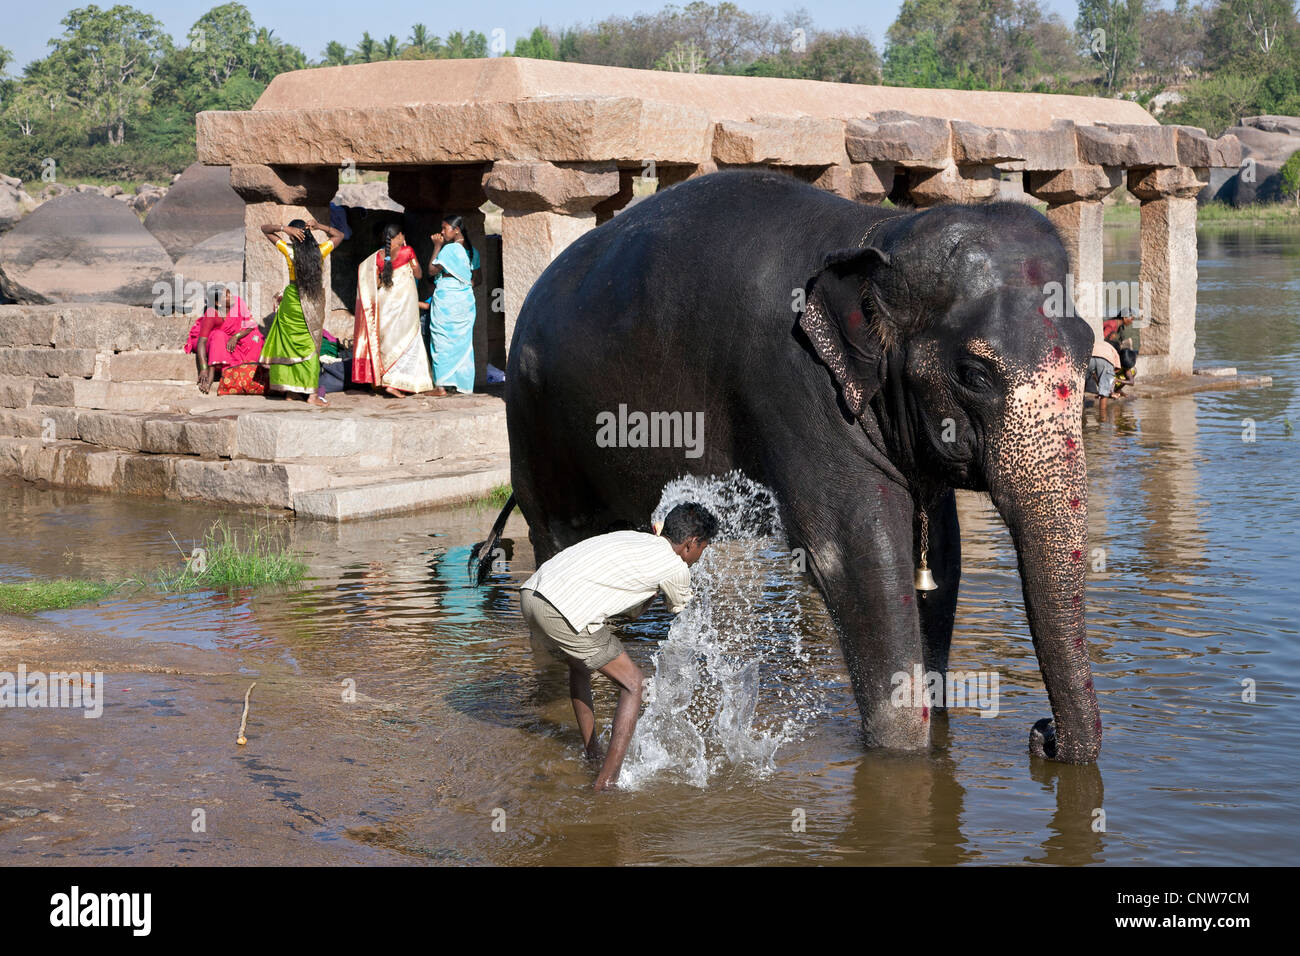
(1194, 536)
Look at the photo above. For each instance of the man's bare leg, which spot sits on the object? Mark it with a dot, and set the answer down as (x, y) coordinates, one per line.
(622, 671)
(583, 709)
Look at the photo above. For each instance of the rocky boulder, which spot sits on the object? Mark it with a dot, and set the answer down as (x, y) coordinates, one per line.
(1267, 142)
(365, 196)
(217, 259)
(81, 247)
(198, 206)
(14, 202)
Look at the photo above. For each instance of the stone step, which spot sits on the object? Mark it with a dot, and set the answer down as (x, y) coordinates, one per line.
(36, 362)
(455, 480)
(97, 326)
(75, 464)
(22, 391)
(137, 366)
(151, 366)
(283, 432)
(211, 436)
(398, 437)
(309, 488)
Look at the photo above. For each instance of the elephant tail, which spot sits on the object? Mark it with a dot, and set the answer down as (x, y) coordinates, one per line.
(480, 558)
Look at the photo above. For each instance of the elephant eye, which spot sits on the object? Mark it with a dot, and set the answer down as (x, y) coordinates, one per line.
(974, 377)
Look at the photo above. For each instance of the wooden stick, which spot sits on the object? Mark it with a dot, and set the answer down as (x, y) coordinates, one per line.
(243, 721)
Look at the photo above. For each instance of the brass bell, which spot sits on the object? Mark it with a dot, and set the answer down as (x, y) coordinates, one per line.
(923, 580)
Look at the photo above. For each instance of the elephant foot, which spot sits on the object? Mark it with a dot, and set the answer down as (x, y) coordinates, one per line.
(1042, 739)
(898, 728)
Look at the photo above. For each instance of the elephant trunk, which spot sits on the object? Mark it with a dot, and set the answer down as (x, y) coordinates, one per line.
(1038, 482)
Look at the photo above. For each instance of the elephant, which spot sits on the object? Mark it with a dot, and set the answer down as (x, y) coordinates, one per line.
(860, 361)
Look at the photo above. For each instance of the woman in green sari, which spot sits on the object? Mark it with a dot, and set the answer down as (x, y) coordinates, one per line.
(292, 347)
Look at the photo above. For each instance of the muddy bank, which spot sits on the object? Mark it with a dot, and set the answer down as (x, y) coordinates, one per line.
(158, 778)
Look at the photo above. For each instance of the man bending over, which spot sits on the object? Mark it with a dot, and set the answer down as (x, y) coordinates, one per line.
(568, 599)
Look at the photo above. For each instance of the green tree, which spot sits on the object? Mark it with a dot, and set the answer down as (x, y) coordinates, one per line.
(392, 47)
(537, 45)
(108, 62)
(1252, 34)
(1290, 174)
(422, 41)
(1111, 31)
(336, 54)
(367, 49)
(464, 46)
(1215, 102)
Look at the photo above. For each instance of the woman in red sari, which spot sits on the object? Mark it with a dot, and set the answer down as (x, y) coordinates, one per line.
(226, 338)
(388, 348)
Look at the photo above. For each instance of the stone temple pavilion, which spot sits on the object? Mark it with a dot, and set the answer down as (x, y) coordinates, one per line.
(562, 147)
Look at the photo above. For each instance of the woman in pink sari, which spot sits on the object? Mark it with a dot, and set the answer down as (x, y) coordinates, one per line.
(227, 337)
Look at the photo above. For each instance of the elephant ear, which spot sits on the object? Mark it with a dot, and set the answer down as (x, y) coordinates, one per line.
(850, 343)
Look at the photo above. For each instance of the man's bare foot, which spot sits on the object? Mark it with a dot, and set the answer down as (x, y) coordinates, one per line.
(438, 392)
(601, 786)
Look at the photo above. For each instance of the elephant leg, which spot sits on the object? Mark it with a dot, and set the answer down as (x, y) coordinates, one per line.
(938, 609)
(858, 539)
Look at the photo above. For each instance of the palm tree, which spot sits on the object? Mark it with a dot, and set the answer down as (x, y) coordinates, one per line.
(336, 54)
(392, 47)
(366, 48)
(420, 37)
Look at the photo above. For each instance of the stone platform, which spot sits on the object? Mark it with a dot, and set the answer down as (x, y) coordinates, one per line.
(100, 397)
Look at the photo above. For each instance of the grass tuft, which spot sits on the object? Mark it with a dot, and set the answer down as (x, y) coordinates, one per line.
(495, 499)
(31, 597)
(226, 560)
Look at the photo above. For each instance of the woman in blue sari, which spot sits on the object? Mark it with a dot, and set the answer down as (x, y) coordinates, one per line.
(452, 308)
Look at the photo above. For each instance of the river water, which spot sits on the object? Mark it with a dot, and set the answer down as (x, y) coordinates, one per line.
(458, 745)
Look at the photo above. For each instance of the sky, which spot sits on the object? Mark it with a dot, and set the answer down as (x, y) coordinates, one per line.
(310, 24)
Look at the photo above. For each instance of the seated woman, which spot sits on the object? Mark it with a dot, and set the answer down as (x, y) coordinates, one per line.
(226, 337)
(292, 347)
(452, 308)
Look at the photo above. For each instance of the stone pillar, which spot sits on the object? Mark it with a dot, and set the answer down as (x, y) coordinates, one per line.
(953, 183)
(274, 195)
(1167, 274)
(1074, 206)
(546, 207)
(861, 182)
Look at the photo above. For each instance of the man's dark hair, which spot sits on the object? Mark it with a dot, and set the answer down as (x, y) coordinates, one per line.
(690, 521)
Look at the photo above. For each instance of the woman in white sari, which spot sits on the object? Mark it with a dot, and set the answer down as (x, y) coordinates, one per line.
(388, 351)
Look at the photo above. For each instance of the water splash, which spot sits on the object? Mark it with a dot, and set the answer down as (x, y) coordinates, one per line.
(731, 682)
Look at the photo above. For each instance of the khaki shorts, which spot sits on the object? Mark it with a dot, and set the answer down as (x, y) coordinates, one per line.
(552, 631)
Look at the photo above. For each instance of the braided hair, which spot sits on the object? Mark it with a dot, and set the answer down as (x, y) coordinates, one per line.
(391, 232)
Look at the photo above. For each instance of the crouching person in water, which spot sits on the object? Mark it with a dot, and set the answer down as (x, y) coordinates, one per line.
(568, 599)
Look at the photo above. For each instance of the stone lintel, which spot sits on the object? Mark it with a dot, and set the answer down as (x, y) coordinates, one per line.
(1076, 184)
(1182, 182)
(287, 185)
(975, 145)
(568, 128)
(1128, 145)
(557, 187)
(892, 136)
(780, 141)
(1196, 149)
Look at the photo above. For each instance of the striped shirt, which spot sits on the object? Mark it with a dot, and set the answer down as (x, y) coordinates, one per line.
(610, 574)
